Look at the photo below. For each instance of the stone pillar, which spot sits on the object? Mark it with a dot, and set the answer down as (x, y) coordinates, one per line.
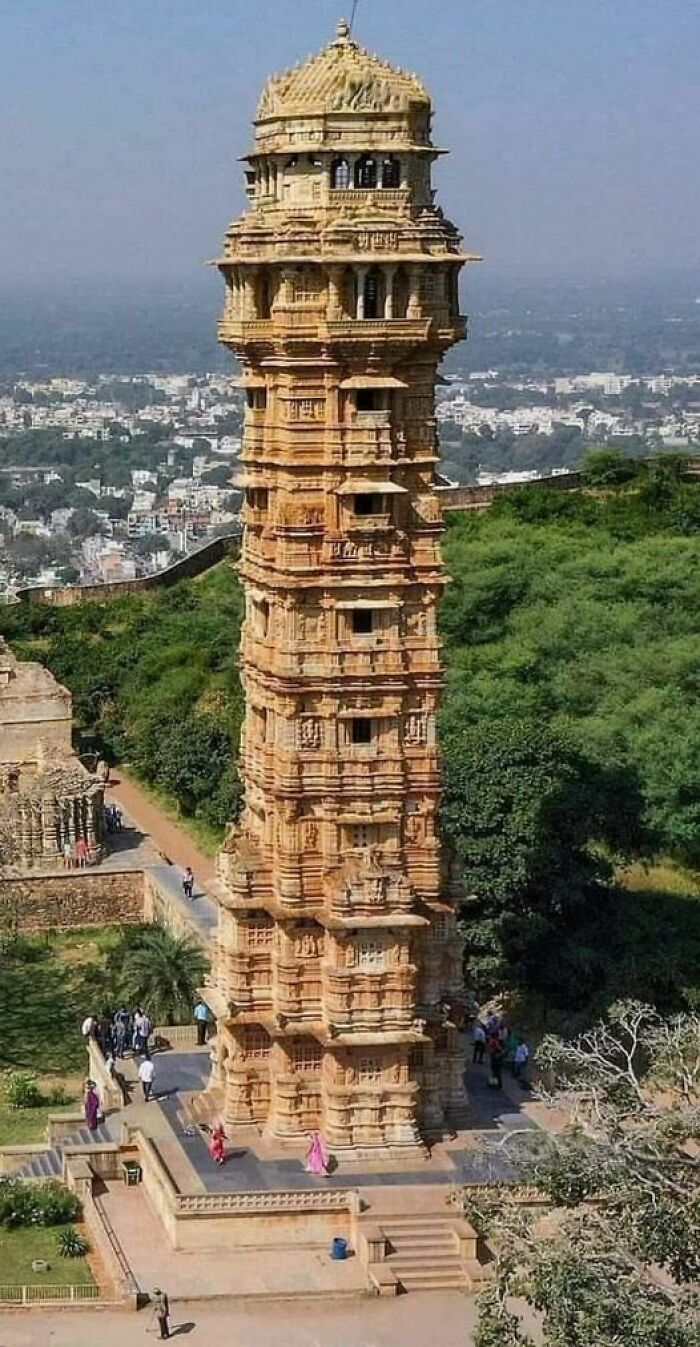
(414, 309)
(361, 274)
(389, 277)
(249, 298)
(335, 294)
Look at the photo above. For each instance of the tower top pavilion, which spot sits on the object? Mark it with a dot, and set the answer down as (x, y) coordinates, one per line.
(342, 77)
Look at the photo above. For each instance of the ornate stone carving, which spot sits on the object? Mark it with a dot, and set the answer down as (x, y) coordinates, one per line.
(343, 326)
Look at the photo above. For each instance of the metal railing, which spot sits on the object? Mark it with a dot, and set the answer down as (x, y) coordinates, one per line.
(45, 1291)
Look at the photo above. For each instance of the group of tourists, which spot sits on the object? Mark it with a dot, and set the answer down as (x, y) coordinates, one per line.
(499, 1046)
(113, 818)
(125, 1031)
(77, 854)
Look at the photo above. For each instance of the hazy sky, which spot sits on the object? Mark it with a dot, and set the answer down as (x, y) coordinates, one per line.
(573, 126)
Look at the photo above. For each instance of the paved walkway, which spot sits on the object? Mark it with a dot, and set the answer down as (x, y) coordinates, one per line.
(172, 841)
(443, 1319)
(292, 1271)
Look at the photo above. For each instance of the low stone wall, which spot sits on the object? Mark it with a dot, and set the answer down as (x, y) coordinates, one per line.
(481, 497)
(190, 566)
(196, 1222)
(159, 905)
(59, 902)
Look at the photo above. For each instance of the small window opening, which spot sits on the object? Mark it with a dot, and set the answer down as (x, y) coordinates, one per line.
(361, 731)
(366, 172)
(367, 400)
(391, 173)
(365, 504)
(362, 621)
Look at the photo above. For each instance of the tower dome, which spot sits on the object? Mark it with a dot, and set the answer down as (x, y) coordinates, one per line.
(342, 77)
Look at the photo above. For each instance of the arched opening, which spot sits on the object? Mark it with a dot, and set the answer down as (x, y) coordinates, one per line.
(391, 172)
(366, 172)
(340, 175)
(374, 294)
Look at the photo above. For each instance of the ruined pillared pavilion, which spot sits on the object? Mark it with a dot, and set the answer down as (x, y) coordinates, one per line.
(48, 800)
(337, 964)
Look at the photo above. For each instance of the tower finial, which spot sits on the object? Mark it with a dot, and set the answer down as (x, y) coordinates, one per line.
(342, 32)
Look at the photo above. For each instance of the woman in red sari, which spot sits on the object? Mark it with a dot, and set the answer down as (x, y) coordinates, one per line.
(217, 1148)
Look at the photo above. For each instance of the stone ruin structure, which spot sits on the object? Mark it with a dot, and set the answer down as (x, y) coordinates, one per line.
(337, 973)
(47, 797)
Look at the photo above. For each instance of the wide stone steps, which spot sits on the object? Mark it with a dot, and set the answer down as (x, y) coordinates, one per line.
(423, 1253)
(49, 1164)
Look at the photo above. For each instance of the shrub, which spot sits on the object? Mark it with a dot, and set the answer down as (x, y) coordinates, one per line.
(71, 1244)
(18, 1204)
(23, 1203)
(22, 1091)
(56, 1205)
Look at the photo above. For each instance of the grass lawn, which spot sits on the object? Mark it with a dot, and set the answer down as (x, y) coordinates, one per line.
(47, 986)
(19, 1247)
(21, 1126)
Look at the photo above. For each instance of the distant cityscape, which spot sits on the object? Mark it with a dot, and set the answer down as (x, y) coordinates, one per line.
(111, 478)
(108, 473)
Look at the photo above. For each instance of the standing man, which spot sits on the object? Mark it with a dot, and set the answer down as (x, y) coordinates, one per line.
(479, 1040)
(188, 884)
(146, 1073)
(520, 1061)
(201, 1015)
(161, 1309)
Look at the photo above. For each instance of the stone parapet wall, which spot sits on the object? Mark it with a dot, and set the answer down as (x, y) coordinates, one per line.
(195, 564)
(60, 902)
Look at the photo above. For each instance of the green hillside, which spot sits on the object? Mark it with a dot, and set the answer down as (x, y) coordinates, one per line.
(570, 729)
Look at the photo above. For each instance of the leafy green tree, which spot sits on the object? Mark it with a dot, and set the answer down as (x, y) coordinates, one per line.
(159, 971)
(520, 808)
(608, 467)
(617, 1262)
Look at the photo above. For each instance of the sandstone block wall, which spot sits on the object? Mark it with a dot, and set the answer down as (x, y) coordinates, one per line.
(61, 902)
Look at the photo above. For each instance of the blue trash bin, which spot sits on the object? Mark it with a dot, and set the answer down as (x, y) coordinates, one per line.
(339, 1248)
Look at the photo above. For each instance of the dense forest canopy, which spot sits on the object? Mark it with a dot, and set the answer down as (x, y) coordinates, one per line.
(570, 727)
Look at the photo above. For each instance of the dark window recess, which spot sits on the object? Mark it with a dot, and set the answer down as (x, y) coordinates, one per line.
(369, 505)
(391, 173)
(372, 298)
(362, 621)
(366, 172)
(361, 731)
(257, 399)
(367, 400)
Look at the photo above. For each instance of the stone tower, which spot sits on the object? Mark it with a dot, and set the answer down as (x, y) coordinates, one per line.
(337, 963)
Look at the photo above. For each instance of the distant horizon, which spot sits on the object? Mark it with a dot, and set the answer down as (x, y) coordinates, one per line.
(572, 128)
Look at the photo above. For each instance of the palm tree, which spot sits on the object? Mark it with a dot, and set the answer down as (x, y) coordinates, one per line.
(161, 972)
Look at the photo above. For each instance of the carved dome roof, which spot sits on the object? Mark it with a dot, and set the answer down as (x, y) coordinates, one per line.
(342, 77)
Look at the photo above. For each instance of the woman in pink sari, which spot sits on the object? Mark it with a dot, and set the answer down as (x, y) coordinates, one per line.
(91, 1105)
(316, 1155)
(217, 1148)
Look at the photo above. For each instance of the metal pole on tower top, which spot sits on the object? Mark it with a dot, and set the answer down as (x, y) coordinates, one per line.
(354, 12)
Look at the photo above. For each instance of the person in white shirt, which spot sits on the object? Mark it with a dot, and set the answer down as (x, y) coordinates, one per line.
(88, 1026)
(479, 1041)
(520, 1060)
(146, 1073)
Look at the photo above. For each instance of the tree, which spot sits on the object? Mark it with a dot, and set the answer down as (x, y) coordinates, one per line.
(521, 805)
(160, 971)
(607, 467)
(615, 1261)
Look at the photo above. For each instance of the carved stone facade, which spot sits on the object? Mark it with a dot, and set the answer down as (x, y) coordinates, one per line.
(47, 798)
(338, 980)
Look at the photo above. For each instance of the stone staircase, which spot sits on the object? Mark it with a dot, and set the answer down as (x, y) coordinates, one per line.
(49, 1163)
(200, 1106)
(423, 1251)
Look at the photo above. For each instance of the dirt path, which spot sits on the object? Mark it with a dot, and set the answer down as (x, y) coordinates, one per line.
(169, 837)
